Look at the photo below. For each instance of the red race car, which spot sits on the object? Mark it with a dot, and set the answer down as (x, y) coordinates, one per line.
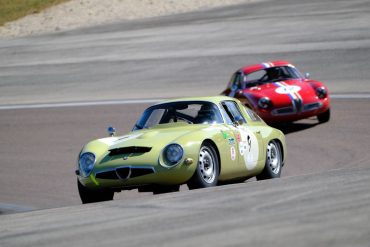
(278, 92)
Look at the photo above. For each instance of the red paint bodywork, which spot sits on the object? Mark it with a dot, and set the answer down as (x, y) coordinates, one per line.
(285, 107)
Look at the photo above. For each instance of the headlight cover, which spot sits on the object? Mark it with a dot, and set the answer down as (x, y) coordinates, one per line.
(321, 92)
(264, 102)
(172, 154)
(86, 163)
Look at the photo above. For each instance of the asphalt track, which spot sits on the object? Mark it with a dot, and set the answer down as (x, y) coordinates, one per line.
(295, 211)
(314, 204)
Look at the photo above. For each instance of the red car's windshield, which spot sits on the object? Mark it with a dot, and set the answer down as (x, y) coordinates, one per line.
(240, 80)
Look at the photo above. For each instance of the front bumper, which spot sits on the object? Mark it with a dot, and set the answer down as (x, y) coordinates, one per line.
(134, 176)
(290, 113)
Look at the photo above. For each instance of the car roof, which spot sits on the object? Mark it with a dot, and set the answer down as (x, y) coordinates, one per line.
(212, 99)
(255, 67)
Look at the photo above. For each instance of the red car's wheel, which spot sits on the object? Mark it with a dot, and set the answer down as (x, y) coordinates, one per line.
(324, 117)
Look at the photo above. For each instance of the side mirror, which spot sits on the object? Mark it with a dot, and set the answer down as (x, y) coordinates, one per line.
(239, 93)
(307, 76)
(239, 122)
(234, 87)
(111, 131)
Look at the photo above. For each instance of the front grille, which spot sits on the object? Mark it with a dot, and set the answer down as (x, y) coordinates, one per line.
(137, 172)
(133, 172)
(290, 110)
(312, 106)
(107, 175)
(298, 104)
(129, 150)
(123, 172)
(283, 111)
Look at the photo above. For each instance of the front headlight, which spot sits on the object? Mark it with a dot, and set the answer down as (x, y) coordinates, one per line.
(264, 102)
(86, 163)
(321, 92)
(172, 154)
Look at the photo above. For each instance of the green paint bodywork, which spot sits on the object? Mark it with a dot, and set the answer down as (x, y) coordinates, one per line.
(190, 136)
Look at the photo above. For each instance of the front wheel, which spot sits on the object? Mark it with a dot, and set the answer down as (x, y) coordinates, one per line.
(324, 117)
(273, 164)
(206, 173)
(165, 189)
(90, 196)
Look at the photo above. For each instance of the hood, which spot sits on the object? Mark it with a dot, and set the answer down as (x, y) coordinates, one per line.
(158, 136)
(282, 93)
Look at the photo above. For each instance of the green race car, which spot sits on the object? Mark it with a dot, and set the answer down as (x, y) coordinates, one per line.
(200, 142)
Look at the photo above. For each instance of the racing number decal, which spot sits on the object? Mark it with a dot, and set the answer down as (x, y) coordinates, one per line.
(249, 143)
(248, 147)
(283, 88)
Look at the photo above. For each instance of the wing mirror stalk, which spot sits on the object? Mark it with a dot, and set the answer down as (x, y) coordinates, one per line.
(111, 131)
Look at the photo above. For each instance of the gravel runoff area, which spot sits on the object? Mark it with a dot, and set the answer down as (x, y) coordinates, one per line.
(83, 13)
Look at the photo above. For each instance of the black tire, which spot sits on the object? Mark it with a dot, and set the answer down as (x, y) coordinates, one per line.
(208, 168)
(273, 164)
(91, 196)
(324, 117)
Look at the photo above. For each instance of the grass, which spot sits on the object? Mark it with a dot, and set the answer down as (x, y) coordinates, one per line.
(11, 10)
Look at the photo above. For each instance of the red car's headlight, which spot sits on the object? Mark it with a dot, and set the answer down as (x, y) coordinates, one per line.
(321, 92)
(264, 102)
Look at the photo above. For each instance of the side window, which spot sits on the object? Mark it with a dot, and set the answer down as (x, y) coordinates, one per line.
(235, 82)
(252, 114)
(255, 76)
(232, 110)
(226, 116)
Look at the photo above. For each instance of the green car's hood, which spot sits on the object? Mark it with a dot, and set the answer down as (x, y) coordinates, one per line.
(159, 136)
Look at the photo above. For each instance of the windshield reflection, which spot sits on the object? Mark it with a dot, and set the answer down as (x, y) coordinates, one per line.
(190, 112)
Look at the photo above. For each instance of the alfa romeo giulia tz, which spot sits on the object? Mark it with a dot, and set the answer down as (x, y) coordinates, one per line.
(200, 142)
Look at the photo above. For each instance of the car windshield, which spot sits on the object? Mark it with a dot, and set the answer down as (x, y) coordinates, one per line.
(263, 76)
(191, 112)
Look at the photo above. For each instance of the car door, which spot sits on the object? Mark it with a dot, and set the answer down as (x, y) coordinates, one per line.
(248, 142)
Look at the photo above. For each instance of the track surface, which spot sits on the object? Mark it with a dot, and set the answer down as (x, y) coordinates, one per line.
(41, 156)
(329, 209)
(189, 54)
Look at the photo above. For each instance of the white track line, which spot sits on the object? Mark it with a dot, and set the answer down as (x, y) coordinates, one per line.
(350, 96)
(134, 101)
(75, 104)
(14, 207)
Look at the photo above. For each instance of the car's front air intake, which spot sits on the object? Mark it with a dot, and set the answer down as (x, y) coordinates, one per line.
(125, 172)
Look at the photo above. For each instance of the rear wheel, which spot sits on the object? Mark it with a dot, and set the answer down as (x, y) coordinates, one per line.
(206, 174)
(273, 164)
(324, 117)
(90, 196)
